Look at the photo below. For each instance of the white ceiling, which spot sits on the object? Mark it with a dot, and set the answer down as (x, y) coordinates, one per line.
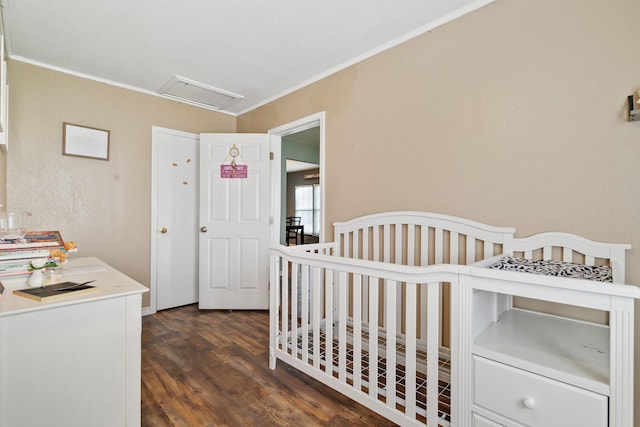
(259, 49)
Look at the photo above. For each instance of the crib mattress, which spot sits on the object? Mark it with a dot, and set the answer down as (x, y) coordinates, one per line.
(600, 273)
(381, 378)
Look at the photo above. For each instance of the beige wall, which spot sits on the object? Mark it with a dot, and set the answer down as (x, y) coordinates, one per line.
(105, 206)
(513, 115)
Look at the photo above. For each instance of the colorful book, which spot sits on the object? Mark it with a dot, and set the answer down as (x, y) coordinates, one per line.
(15, 281)
(35, 239)
(14, 264)
(6, 254)
(15, 273)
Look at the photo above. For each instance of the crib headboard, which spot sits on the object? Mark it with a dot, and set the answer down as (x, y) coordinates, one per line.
(419, 238)
(571, 248)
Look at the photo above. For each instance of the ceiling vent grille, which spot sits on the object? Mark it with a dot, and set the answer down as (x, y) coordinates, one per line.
(195, 93)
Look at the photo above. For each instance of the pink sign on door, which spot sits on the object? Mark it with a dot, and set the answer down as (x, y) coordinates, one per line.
(233, 171)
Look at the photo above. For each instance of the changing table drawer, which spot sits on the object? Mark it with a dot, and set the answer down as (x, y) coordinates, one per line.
(479, 421)
(535, 400)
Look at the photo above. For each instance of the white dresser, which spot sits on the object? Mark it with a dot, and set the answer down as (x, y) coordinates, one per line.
(74, 361)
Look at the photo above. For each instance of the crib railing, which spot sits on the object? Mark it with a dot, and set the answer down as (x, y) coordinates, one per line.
(337, 320)
(419, 238)
(572, 248)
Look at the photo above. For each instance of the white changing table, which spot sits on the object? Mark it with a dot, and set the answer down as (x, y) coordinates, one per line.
(520, 368)
(74, 361)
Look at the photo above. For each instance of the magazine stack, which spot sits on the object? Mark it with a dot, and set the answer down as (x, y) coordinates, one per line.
(16, 256)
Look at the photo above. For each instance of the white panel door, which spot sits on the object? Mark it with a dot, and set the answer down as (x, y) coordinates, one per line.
(234, 216)
(176, 217)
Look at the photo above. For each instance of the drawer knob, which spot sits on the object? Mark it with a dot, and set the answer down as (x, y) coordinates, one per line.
(529, 402)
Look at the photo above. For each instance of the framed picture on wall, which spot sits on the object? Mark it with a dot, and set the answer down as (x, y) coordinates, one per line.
(83, 141)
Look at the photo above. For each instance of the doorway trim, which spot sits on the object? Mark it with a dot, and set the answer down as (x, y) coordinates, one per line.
(314, 120)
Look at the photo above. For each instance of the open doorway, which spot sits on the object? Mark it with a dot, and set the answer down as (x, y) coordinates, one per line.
(301, 190)
(302, 144)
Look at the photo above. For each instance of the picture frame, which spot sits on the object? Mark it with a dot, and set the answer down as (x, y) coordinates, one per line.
(85, 141)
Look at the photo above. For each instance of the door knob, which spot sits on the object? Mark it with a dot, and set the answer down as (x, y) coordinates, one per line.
(163, 230)
(203, 229)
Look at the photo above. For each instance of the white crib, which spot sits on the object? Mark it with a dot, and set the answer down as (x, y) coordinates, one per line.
(391, 312)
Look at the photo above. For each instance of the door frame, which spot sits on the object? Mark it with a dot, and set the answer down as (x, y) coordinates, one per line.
(314, 120)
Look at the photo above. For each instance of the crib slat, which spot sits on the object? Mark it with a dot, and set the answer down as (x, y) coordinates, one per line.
(398, 260)
(411, 244)
(342, 327)
(567, 255)
(386, 243)
(376, 243)
(425, 249)
(433, 333)
(453, 247)
(439, 238)
(284, 304)
(294, 309)
(347, 245)
(304, 309)
(386, 257)
(423, 312)
(365, 289)
(424, 245)
(424, 254)
(471, 250)
(410, 350)
(547, 252)
(488, 251)
(390, 324)
(365, 243)
(357, 332)
(329, 297)
(316, 292)
(373, 337)
(589, 260)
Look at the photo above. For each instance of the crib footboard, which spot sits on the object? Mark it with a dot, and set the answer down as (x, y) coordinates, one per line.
(337, 321)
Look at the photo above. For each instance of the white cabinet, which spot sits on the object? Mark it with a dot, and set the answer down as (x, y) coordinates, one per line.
(74, 362)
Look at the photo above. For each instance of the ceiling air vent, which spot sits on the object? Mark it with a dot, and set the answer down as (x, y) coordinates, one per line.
(199, 94)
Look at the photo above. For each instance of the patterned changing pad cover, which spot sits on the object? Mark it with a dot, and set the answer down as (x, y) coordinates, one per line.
(600, 273)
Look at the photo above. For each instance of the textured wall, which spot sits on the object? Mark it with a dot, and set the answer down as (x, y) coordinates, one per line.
(105, 206)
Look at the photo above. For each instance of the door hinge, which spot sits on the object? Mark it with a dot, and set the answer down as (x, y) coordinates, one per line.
(270, 155)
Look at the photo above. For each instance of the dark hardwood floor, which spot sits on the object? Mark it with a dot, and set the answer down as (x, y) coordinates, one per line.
(211, 368)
